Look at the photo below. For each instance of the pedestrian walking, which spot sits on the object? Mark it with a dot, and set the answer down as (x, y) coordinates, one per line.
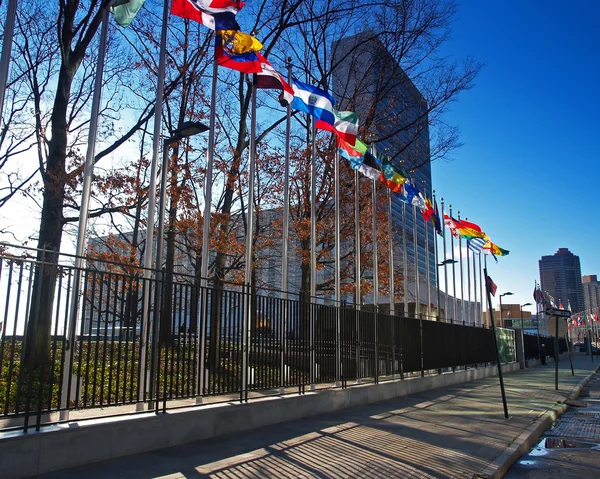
(543, 353)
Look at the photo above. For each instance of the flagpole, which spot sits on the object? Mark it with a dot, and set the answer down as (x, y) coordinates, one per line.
(405, 260)
(71, 327)
(286, 233)
(148, 253)
(338, 356)
(443, 225)
(468, 285)
(9, 26)
(249, 238)
(313, 249)
(206, 233)
(427, 272)
(480, 293)
(475, 307)
(437, 262)
(357, 266)
(462, 288)
(417, 275)
(391, 279)
(375, 276)
(453, 268)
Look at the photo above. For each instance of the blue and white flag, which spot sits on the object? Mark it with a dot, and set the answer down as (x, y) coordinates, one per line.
(314, 101)
(476, 244)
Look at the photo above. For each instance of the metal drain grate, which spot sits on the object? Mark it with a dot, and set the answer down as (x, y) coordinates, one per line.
(581, 427)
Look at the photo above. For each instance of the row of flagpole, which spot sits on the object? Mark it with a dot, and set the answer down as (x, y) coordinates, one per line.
(149, 260)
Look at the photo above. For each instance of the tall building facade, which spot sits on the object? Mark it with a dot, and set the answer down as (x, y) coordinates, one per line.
(591, 292)
(367, 79)
(560, 276)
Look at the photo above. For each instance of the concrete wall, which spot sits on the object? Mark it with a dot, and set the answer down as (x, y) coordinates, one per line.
(61, 447)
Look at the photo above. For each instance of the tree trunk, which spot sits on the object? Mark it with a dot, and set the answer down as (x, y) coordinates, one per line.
(37, 337)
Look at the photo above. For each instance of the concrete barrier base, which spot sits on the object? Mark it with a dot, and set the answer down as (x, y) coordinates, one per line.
(75, 444)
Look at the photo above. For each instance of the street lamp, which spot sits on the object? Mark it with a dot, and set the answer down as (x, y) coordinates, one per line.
(521, 308)
(187, 129)
(501, 319)
(444, 263)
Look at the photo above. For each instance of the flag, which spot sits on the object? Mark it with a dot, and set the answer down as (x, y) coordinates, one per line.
(345, 125)
(494, 249)
(215, 14)
(355, 160)
(468, 230)
(238, 43)
(413, 195)
(538, 296)
(568, 305)
(390, 176)
(369, 167)
(560, 305)
(357, 149)
(428, 211)
(452, 226)
(243, 62)
(124, 11)
(475, 244)
(269, 78)
(436, 219)
(314, 101)
(491, 286)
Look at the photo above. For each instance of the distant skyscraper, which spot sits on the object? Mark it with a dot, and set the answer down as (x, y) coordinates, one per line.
(560, 276)
(591, 292)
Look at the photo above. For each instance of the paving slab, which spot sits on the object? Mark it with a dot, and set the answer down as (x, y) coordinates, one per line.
(457, 431)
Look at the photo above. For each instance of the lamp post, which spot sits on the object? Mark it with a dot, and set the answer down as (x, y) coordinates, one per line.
(521, 308)
(444, 263)
(501, 319)
(187, 129)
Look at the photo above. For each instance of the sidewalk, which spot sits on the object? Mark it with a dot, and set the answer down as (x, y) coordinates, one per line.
(457, 431)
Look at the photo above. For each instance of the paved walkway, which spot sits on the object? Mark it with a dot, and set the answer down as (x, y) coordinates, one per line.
(458, 431)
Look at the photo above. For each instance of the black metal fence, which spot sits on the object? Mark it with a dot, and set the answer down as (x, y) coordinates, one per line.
(117, 335)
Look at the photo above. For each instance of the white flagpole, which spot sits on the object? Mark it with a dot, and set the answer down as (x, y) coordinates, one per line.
(437, 262)
(148, 253)
(468, 284)
(357, 238)
(286, 233)
(375, 277)
(338, 352)
(391, 257)
(71, 327)
(446, 289)
(313, 250)
(200, 380)
(357, 266)
(405, 260)
(427, 272)
(391, 281)
(9, 26)
(462, 288)
(453, 269)
(249, 238)
(476, 308)
(417, 274)
(481, 292)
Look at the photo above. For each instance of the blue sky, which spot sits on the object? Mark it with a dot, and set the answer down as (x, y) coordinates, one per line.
(528, 172)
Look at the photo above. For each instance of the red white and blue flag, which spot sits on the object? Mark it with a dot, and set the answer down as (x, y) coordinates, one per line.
(214, 14)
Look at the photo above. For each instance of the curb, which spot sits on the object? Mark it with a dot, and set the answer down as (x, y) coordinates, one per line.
(499, 466)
